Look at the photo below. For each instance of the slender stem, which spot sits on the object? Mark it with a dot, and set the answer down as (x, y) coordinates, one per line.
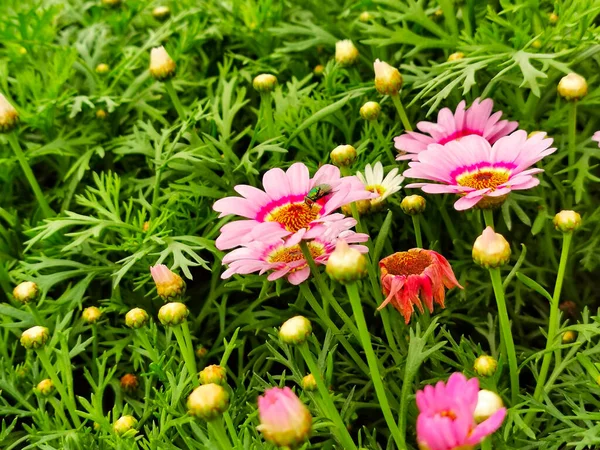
(572, 138)
(401, 112)
(506, 333)
(188, 354)
(175, 99)
(43, 356)
(417, 225)
(378, 129)
(553, 321)
(231, 428)
(340, 428)
(267, 109)
(218, 431)
(157, 179)
(94, 350)
(35, 314)
(488, 217)
(190, 346)
(374, 365)
(39, 196)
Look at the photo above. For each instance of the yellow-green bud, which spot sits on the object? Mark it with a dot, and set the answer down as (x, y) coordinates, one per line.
(309, 383)
(9, 117)
(567, 221)
(553, 18)
(213, 374)
(35, 337)
(343, 155)
(208, 401)
(319, 69)
(346, 53)
(485, 365)
(365, 16)
(136, 318)
(173, 313)
(488, 403)
(22, 51)
(161, 13)
(169, 285)
(124, 424)
(370, 111)
(569, 336)
(295, 330)
(111, 3)
(265, 82)
(388, 79)
(45, 387)
(537, 44)
(101, 114)
(162, 67)
(201, 352)
(491, 250)
(26, 292)
(456, 56)
(91, 315)
(572, 87)
(413, 205)
(102, 68)
(346, 264)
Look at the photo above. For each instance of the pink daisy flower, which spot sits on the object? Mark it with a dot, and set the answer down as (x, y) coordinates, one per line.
(284, 258)
(596, 137)
(477, 120)
(282, 208)
(480, 173)
(446, 415)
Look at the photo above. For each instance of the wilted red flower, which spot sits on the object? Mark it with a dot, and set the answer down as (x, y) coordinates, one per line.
(415, 275)
(129, 382)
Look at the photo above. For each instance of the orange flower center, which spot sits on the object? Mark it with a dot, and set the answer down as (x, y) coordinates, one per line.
(291, 254)
(294, 216)
(449, 414)
(376, 189)
(407, 263)
(486, 178)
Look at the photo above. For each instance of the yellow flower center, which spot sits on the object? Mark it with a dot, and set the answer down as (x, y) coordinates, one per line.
(482, 179)
(413, 262)
(294, 216)
(375, 188)
(294, 253)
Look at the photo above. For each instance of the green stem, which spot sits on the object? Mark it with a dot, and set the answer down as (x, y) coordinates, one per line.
(572, 137)
(378, 129)
(231, 429)
(417, 226)
(506, 334)
(157, 179)
(188, 354)
(340, 428)
(39, 196)
(401, 112)
(94, 350)
(373, 362)
(267, 107)
(43, 356)
(218, 431)
(488, 218)
(553, 321)
(175, 100)
(36, 315)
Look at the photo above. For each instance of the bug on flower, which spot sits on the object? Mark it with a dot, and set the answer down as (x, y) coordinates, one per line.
(316, 193)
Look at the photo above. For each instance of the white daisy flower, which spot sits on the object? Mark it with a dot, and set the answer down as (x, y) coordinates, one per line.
(374, 181)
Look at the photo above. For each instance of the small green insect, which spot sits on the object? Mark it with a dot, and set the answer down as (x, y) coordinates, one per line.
(316, 193)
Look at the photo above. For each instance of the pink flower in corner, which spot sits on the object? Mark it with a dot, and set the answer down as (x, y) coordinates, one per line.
(282, 209)
(446, 415)
(284, 419)
(477, 120)
(481, 174)
(284, 258)
(596, 137)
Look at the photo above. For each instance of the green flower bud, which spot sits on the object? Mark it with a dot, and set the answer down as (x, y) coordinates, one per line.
(265, 82)
(201, 352)
(136, 318)
(173, 313)
(343, 155)
(111, 3)
(91, 315)
(35, 337)
(346, 264)
(208, 401)
(413, 205)
(569, 337)
(102, 68)
(45, 387)
(26, 292)
(161, 13)
(213, 374)
(491, 250)
(388, 79)
(572, 87)
(319, 69)
(567, 221)
(485, 365)
(365, 16)
(309, 383)
(456, 56)
(370, 111)
(295, 330)
(124, 424)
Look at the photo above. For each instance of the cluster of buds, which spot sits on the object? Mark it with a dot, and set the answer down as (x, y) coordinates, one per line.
(485, 365)
(491, 250)
(91, 315)
(567, 221)
(413, 205)
(124, 424)
(208, 401)
(35, 337)
(572, 87)
(169, 285)
(9, 117)
(388, 79)
(296, 330)
(136, 318)
(264, 83)
(343, 155)
(162, 67)
(173, 313)
(213, 374)
(346, 53)
(346, 264)
(26, 292)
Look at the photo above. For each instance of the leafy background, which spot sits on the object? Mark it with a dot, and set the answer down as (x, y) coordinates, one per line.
(106, 177)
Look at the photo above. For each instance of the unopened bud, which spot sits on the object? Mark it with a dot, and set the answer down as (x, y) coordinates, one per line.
(569, 336)
(309, 383)
(111, 3)
(162, 67)
(26, 292)
(346, 264)
(572, 87)
(365, 16)
(22, 51)
(129, 383)
(346, 53)
(173, 313)
(265, 82)
(146, 226)
(208, 401)
(456, 56)
(101, 114)
(388, 79)
(491, 250)
(169, 285)
(485, 365)
(295, 330)
(284, 420)
(567, 221)
(488, 403)
(161, 13)
(124, 424)
(319, 69)
(35, 337)
(45, 387)
(413, 205)
(9, 117)
(213, 374)
(102, 68)
(201, 352)
(370, 111)
(91, 315)
(537, 44)
(343, 155)
(553, 18)
(136, 318)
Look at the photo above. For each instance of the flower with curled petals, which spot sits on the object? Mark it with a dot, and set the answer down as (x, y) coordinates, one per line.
(477, 120)
(447, 415)
(282, 210)
(480, 173)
